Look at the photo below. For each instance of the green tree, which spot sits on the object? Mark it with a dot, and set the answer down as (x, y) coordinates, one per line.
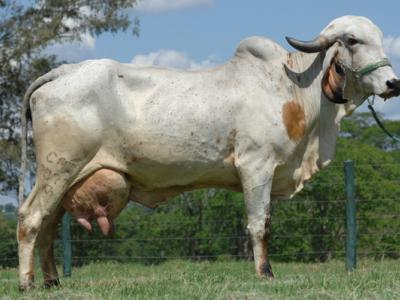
(8, 243)
(26, 29)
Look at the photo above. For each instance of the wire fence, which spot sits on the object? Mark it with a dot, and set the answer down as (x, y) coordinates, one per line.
(211, 225)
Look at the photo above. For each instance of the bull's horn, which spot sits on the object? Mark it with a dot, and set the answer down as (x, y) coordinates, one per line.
(316, 45)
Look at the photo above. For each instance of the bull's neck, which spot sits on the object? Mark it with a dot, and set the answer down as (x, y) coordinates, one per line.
(305, 72)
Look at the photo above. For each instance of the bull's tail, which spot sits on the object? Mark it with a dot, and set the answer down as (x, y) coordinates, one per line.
(24, 125)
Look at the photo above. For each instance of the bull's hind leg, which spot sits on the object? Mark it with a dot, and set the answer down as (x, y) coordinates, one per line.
(41, 205)
(45, 241)
(60, 158)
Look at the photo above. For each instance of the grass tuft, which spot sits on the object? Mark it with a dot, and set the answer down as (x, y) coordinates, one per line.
(217, 280)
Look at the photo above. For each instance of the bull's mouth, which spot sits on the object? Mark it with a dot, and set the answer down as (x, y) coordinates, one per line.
(389, 94)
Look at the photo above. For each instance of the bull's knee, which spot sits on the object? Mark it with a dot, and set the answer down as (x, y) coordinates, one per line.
(26, 232)
(260, 229)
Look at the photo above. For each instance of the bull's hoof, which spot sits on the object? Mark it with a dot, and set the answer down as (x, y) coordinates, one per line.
(51, 283)
(27, 282)
(26, 287)
(266, 271)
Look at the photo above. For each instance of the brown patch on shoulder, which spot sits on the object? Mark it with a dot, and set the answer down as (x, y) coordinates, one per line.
(294, 120)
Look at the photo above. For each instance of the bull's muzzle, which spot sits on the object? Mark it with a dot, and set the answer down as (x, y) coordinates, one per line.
(393, 89)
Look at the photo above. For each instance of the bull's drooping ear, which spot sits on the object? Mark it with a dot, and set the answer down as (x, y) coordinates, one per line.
(334, 81)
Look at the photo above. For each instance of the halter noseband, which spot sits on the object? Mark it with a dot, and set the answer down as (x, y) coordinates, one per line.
(372, 67)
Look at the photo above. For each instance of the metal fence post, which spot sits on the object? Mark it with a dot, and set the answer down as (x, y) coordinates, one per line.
(351, 231)
(66, 236)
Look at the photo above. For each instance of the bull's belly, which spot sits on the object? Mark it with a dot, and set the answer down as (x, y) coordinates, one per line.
(155, 181)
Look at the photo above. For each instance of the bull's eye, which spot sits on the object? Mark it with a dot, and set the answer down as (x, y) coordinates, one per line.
(339, 69)
(352, 41)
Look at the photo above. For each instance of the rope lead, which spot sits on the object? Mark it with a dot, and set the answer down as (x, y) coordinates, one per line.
(371, 101)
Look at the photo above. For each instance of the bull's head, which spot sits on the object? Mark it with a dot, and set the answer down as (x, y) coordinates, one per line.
(355, 63)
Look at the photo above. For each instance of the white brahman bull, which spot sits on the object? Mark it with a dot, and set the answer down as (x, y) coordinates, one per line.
(262, 123)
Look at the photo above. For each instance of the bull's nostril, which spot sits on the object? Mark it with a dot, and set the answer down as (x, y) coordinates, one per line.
(390, 84)
(393, 84)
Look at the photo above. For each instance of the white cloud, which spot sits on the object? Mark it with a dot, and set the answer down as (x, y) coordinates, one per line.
(157, 6)
(75, 51)
(392, 46)
(172, 59)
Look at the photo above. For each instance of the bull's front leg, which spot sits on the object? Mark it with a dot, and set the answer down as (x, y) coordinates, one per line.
(257, 183)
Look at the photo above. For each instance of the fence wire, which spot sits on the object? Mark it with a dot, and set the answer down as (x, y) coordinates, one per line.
(309, 227)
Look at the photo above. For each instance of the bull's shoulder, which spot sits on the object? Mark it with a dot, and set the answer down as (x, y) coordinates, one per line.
(261, 48)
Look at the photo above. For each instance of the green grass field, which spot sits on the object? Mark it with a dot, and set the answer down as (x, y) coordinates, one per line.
(217, 280)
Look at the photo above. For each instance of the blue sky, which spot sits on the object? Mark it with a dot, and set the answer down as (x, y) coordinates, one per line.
(201, 33)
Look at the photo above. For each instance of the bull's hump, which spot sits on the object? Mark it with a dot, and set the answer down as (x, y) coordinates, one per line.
(259, 47)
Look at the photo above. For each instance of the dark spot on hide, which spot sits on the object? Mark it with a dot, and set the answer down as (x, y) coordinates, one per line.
(230, 146)
(290, 61)
(51, 157)
(62, 161)
(231, 140)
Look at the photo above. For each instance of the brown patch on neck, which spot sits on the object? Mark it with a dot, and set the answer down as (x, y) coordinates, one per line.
(294, 120)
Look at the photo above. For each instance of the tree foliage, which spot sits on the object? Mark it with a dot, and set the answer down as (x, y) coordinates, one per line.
(26, 29)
